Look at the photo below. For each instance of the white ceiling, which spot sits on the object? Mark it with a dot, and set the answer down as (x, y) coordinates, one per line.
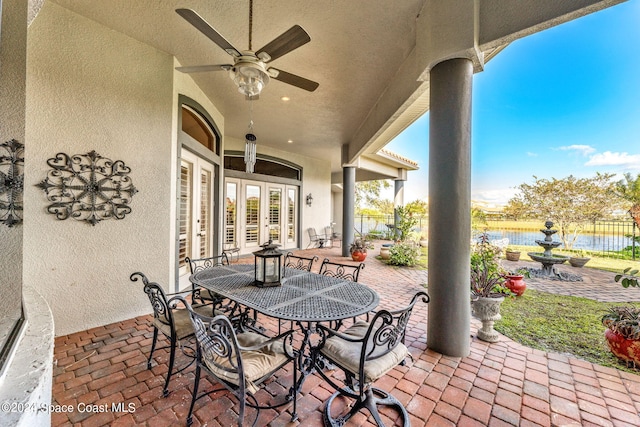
(363, 54)
(356, 48)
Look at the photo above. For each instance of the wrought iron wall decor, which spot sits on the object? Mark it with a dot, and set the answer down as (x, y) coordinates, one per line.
(88, 187)
(11, 182)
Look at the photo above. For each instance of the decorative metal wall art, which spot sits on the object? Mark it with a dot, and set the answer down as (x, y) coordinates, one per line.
(11, 182)
(88, 187)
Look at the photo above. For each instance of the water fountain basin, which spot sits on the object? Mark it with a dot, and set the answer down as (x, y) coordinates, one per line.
(553, 259)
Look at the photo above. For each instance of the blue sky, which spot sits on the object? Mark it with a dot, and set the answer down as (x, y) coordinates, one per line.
(562, 102)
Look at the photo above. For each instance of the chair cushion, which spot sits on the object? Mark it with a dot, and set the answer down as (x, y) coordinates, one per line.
(347, 354)
(256, 363)
(182, 321)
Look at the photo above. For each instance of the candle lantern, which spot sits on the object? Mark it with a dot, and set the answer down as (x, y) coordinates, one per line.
(268, 266)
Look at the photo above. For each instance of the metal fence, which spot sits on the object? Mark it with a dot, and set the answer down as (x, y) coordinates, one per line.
(381, 226)
(610, 238)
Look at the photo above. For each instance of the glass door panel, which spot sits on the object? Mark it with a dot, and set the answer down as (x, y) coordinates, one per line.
(275, 217)
(204, 226)
(186, 197)
(195, 214)
(292, 216)
(231, 212)
(252, 215)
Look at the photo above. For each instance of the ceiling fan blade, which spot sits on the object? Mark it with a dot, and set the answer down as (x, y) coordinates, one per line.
(203, 26)
(294, 80)
(203, 68)
(291, 39)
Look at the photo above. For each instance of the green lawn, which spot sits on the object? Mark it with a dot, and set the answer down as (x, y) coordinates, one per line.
(560, 324)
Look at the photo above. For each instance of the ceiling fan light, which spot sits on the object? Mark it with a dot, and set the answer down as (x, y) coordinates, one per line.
(250, 78)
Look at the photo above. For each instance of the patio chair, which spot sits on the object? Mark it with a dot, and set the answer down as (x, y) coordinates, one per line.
(333, 236)
(299, 262)
(172, 323)
(240, 362)
(196, 265)
(315, 239)
(231, 250)
(341, 271)
(238, 314)
(365, 352)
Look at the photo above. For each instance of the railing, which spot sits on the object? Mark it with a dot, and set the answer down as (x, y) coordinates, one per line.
(381, 226)
(609, 238)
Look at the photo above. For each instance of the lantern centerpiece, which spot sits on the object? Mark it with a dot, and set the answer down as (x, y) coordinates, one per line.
(268, 266)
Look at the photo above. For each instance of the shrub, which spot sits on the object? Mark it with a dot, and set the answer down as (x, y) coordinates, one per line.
(404, 254)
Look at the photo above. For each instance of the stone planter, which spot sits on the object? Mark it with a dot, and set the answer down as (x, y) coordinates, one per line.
(578, 261)
(512, 255)
(424, 243)
(384, 252)
(487, 310)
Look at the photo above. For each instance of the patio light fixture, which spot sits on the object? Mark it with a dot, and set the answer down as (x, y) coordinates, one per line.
(268, 266)
(309, 199)
(250, 78)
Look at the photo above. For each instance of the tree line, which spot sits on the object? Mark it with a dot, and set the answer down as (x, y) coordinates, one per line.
(572, 202)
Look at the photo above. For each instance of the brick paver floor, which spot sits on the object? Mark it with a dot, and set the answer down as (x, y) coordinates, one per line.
(497, 384)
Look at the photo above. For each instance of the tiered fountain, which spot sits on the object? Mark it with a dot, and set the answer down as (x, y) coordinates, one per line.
(547, 259)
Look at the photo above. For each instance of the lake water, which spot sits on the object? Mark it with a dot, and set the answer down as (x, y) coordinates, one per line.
(589, 242)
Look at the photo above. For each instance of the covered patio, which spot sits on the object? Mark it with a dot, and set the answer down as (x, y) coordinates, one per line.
(102, 80)
(497, 384)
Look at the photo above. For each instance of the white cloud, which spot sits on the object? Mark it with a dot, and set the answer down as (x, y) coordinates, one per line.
(497, 197)
(530, 154)
(582, 149)
(608, 158)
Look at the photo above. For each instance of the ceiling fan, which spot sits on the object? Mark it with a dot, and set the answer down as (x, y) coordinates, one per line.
(249, 70)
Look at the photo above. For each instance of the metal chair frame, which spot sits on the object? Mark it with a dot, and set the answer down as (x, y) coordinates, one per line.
(163, 312)
(384, 333)
(231, 250)
(218, 347)
(316, 239)
(299, 262)
(333, 236)
(341, 271)
(199, 264)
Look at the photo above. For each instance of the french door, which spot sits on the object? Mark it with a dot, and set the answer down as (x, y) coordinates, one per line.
(196, 209)
(257, 212)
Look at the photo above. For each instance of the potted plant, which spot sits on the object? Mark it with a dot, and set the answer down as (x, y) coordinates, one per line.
(623, 324)
(487, 288)
(515, 281)
(358, 249)
(579, 260)
(512, 255)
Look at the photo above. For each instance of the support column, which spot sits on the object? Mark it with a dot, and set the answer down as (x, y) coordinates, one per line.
(348, 207)
(398, 200)
(448, 327)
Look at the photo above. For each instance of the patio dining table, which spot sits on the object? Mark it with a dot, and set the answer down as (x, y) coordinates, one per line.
(305, 298)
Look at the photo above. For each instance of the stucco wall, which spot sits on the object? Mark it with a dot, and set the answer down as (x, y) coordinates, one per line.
(316, 174)
(90, 88)
(12, 116)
